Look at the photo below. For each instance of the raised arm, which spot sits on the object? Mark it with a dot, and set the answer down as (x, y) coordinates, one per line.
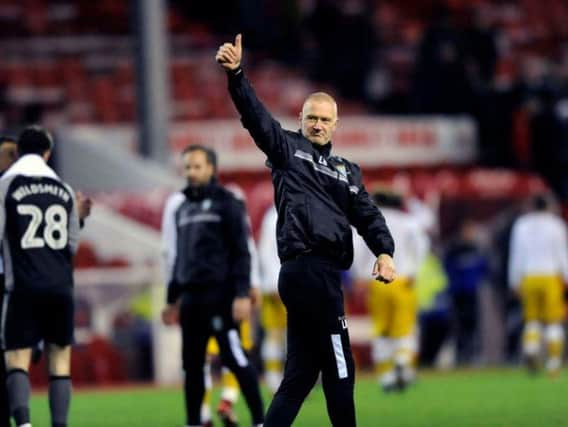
(266, 132)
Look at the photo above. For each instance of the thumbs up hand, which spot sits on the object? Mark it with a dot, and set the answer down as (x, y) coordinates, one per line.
(229, 55)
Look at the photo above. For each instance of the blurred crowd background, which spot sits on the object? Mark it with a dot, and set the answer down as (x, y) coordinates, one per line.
(481, 84)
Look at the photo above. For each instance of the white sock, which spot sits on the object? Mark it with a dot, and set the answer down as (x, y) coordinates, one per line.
(388, 379)
(205, 413)
(553, 364)
(273, 380)
(382, 349)
(531, 339)
(230, 394)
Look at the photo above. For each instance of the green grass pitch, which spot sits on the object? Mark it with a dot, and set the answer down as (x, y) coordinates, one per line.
(478, 398)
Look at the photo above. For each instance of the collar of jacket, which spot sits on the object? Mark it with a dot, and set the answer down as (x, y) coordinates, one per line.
(201, 192)
(30, 165)
(324, 149)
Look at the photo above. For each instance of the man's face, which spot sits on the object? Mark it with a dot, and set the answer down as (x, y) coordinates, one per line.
(318, 121)
(197, 170)
(8, 155)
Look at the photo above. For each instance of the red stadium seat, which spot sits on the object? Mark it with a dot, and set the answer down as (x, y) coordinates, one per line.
(86, 256)
(106, 365)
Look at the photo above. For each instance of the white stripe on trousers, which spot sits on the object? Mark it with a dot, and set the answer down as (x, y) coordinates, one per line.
(236, 348)
(339, 356)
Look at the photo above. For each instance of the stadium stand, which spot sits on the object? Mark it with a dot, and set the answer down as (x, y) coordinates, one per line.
(72, 51)
(70, 63)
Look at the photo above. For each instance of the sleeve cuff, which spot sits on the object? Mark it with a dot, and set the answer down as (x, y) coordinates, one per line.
(173, 293)
(235, 75)
(380, 249)
(243, 290)
(389, 252)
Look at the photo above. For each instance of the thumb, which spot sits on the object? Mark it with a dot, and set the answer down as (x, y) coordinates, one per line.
(238, 41)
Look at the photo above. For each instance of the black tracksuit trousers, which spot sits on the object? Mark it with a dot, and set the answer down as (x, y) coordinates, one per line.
(200, 319)
(318, 341)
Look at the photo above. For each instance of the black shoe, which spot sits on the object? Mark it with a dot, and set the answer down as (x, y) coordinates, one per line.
(400, 382)
(389, 388)
(533, 364)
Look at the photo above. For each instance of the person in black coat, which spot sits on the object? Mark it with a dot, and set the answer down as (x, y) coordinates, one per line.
(205, 232)
(319, 197)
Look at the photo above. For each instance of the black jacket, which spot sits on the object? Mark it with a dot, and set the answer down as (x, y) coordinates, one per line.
(212, 257)
(318, 196)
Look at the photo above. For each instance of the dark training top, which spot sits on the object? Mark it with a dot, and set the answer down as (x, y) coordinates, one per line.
(318, 196)
(206, 230)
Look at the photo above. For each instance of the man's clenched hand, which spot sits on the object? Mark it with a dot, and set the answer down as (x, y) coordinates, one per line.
(384, 269)
(241, 308)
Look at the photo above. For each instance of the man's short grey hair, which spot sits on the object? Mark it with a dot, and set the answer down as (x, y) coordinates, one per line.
(321, 97)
